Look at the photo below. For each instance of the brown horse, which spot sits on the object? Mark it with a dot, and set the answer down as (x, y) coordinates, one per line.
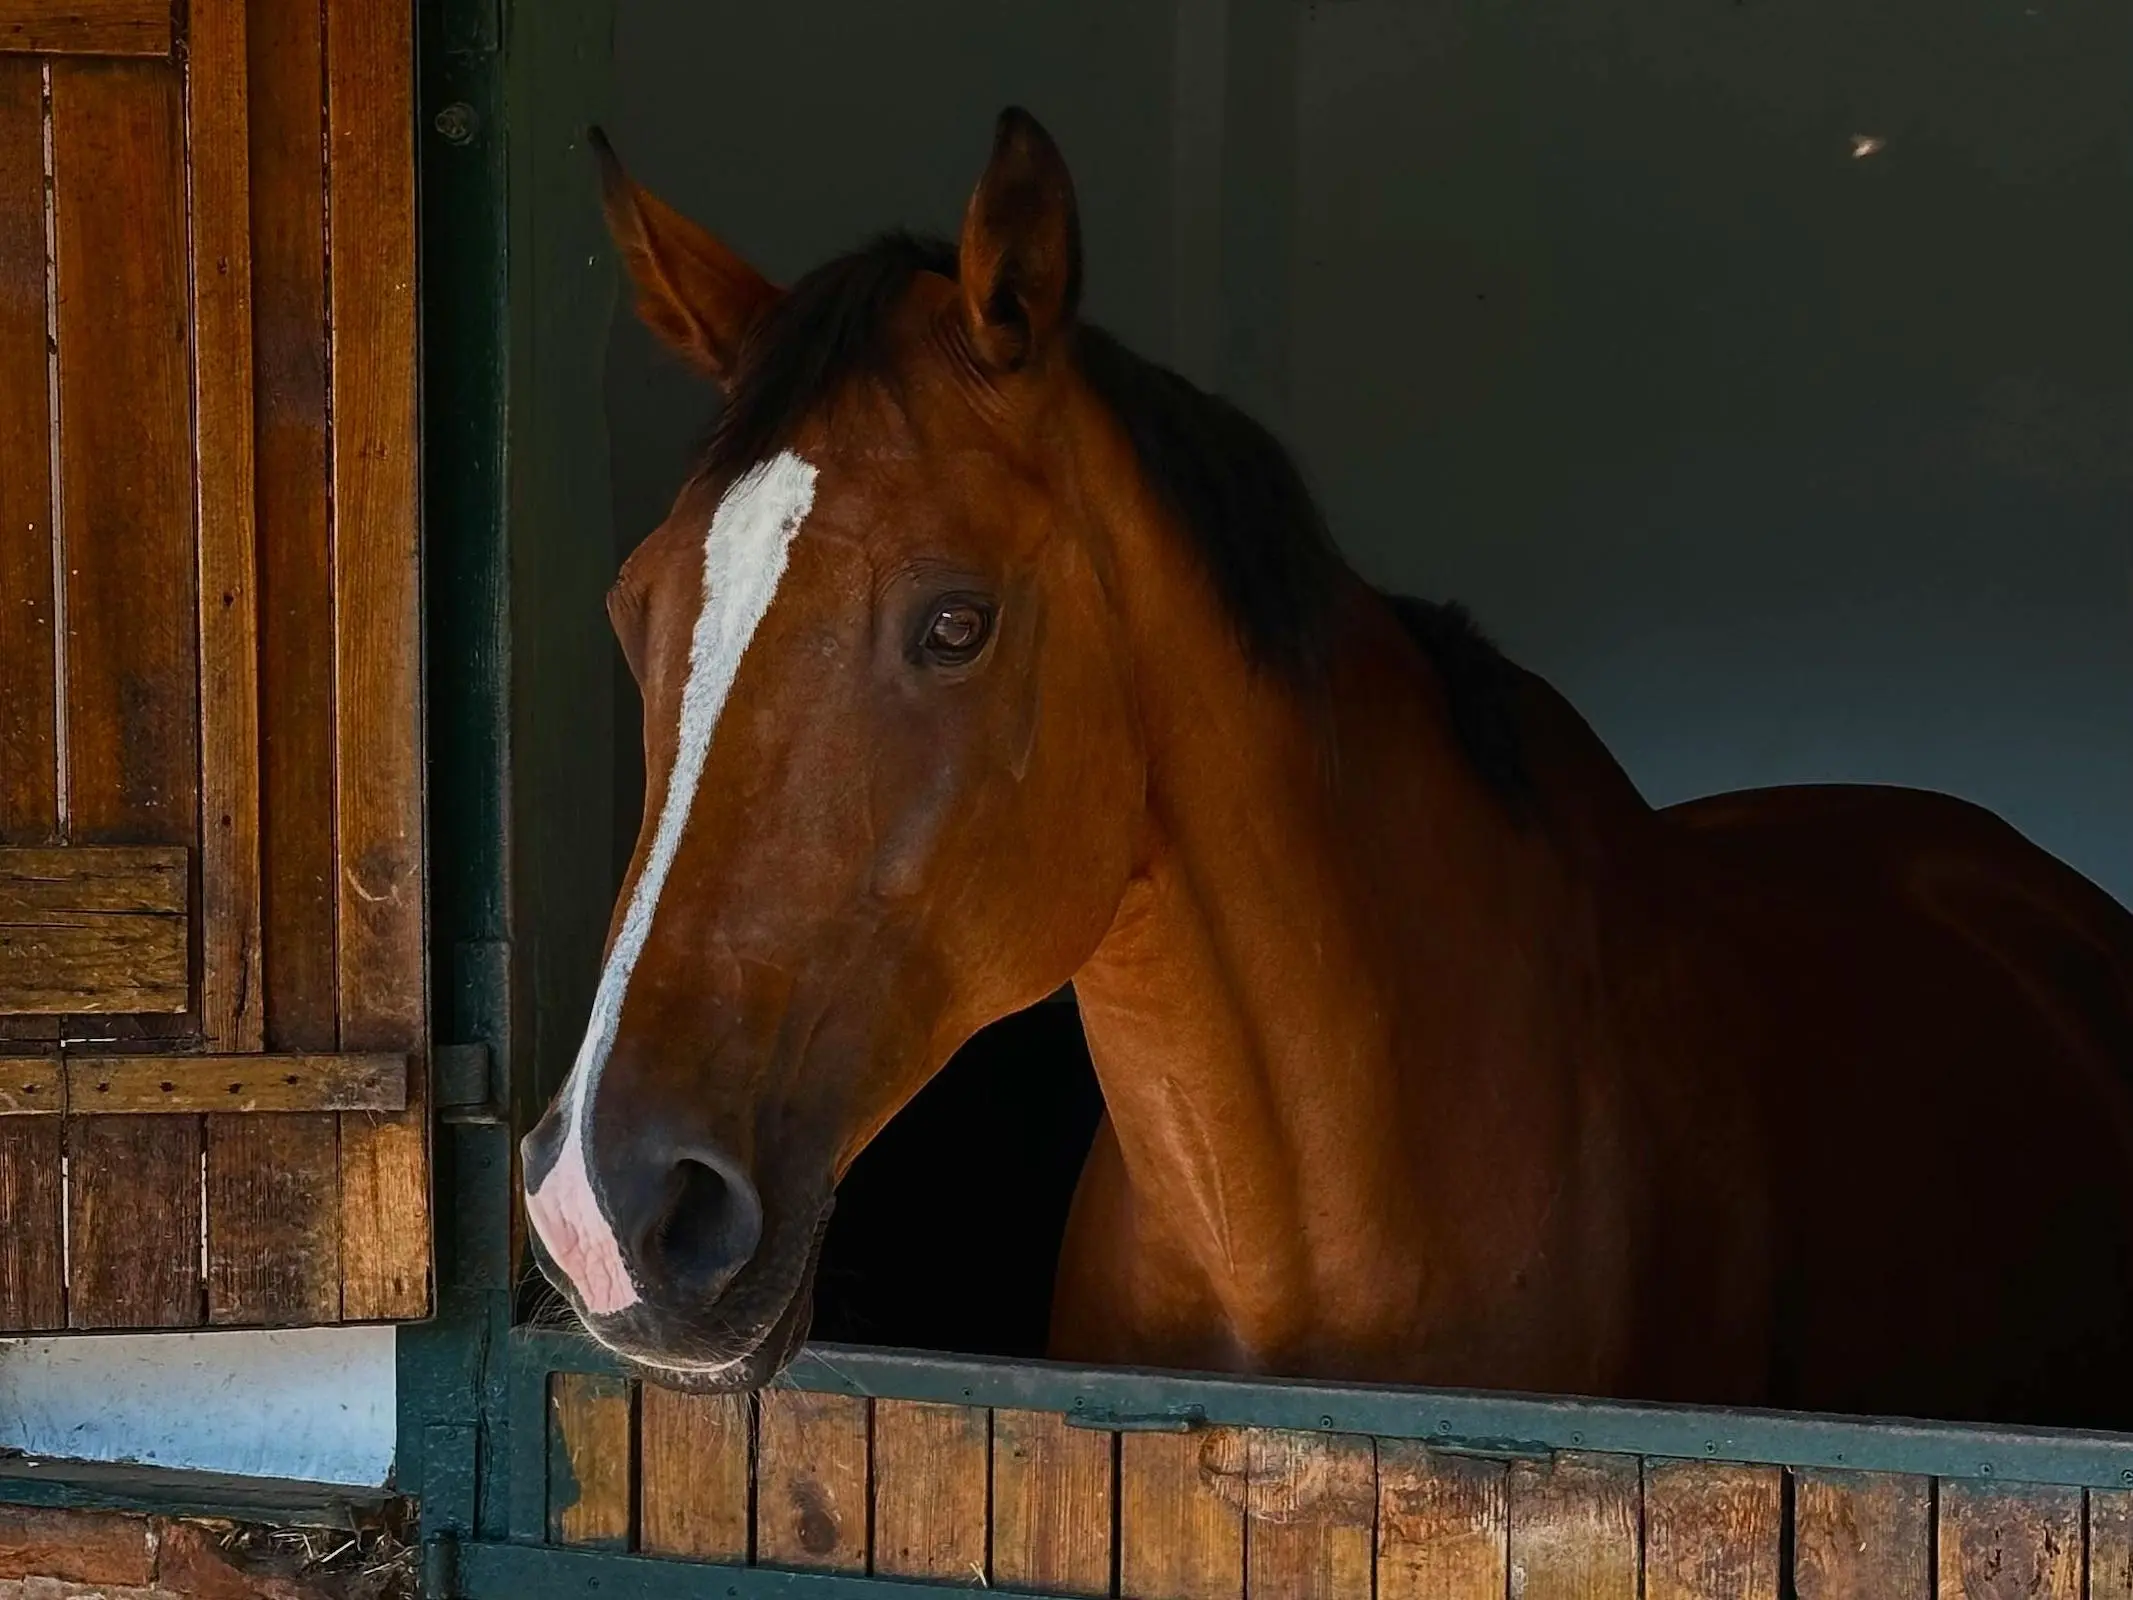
(981, 656)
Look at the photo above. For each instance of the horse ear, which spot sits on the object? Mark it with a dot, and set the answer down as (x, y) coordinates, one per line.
(1020, 259)
(692, 291)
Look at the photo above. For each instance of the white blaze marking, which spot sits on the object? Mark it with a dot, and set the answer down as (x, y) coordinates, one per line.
(745, 552)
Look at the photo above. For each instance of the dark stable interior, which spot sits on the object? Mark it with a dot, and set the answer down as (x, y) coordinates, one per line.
(947, 1228)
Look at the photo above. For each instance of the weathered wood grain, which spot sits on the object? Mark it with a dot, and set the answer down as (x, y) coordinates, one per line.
(2110, 1545)
(1861, 1536)
(220, 216)
(932, 1468)
(1311, 1501)
(1181, 1515)
(148, 879)
(385, 1224)
(591, 1418)
(811, 1481)
(1711, 1530)
(165, 1085)
(28, 755)
(288, 174)
(130, 612)
(299, 1004)
(86, 27)
(2009, 1542)
(32, 1268)
(32, 1265)
(31, 1086)
(126, 455)
(134, 1222)
(1443, 1527)
(93, 964)
(273, 1224)
(1051, 1505)
(1574, 1526)
(693, 1476)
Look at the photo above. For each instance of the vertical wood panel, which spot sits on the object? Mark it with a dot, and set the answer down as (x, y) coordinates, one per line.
(32, 1270)
(1859, 1536)
(377, 640)
(1442, 1525)
(2110, 1545)
(273, 1215)
(1711, 1531)
(590, 1460)
(134, 1256)
(131, 690)
(1574, 1528)
(811, 1481)
(1312, 1503)
(218, 163)
(932, 1481)
(2009, 1543)
(1051, 1505)
(1180, 1515)
(28, 759)
(693, 1474)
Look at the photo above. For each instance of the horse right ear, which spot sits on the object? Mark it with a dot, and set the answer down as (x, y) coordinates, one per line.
(692, 291)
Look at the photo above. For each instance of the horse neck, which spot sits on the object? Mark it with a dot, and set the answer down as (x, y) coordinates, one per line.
(1323, 1019)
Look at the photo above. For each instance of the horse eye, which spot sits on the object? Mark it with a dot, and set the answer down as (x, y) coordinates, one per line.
(958, 631)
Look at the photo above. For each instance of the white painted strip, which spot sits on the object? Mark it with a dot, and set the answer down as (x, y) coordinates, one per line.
(745, 553)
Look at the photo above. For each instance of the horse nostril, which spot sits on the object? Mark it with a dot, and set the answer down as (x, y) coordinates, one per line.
(711, 1229)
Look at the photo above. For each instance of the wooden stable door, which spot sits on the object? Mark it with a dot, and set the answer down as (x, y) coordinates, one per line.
(211, 863)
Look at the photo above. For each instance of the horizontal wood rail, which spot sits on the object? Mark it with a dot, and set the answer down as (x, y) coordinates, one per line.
(86, 27)
(102, 1085)
(87, 929)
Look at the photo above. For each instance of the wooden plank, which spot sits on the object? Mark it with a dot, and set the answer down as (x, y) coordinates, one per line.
(85, 27)
(1574, 1527)
(134, 1222)
(1180, 1517)
(220, 214)
(1860, 1536)
(273, 1222)
(811, 1481)
(149, 879)
(385, 1221)
(125, 459)
(273, 1250)
(32, 1261)
(1443, 1528)
(591, 1417)
(31, 1086)
(2009, 1542)
(29, 771)
(693, 1474)
(1711, 1530)
(932, 1471)
(166, 1085)
(1312, 1504)
(32, 1267)
(295, 559)
(1051, 1505)
(132, 674)
(92, 964)
(2110, 1545)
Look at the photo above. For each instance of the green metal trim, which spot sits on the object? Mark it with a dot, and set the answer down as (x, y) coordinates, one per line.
(491, 1570)
(1469, 1421)
(170, 1491)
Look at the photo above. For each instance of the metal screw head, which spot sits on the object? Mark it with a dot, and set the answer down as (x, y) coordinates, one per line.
(457, 122)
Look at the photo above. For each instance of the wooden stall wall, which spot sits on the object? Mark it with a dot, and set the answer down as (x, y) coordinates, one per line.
(1026, 1502)
(211, 862)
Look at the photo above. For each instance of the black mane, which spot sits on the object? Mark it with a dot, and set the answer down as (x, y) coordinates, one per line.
(1227, 480)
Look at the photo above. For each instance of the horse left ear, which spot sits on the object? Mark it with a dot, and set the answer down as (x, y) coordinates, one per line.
(1020, 258)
